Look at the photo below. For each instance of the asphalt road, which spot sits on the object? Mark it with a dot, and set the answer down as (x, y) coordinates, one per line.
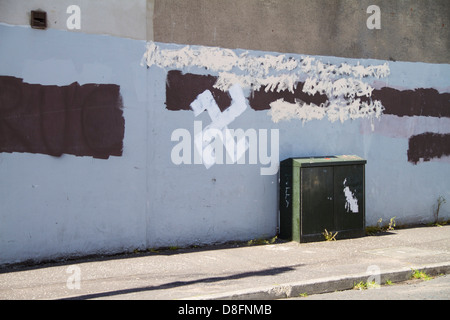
(434, 289)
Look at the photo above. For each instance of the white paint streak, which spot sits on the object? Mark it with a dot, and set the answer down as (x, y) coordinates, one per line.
(271, 83)
(211, 58)
(281, 110)
(351, 203)
(257, 68)
(343, 84)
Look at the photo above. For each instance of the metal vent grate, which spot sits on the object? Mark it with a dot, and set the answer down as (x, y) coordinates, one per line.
(38, 19)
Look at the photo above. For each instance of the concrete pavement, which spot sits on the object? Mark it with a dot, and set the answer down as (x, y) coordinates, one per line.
(272, 271)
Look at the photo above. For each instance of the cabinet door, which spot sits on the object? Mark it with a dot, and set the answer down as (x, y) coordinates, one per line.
(317, 200)
(349, 197)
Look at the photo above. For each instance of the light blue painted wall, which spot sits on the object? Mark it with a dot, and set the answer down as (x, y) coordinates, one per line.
(52, 207)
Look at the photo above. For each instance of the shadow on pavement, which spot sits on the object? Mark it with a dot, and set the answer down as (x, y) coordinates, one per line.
(175, 284)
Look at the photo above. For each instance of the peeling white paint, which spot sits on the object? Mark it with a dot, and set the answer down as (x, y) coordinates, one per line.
(211, 58)
(258, 68)
(271, 83)
(281, 110)
(343, 84)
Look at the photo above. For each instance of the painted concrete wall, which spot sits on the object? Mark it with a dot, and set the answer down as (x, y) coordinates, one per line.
(64, 205)
(159, 190)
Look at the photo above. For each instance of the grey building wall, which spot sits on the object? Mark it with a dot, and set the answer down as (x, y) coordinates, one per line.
(120, 18)
(411, 30)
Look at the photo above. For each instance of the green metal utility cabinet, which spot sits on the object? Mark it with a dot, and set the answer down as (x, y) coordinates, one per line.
(319, 193)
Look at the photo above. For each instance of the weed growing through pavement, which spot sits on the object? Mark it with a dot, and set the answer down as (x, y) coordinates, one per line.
(256, 242)
(440, 201)
(380, 228)
(417, 274)
(303, 295)
(329, 236)
(391, 224)
(366, 285)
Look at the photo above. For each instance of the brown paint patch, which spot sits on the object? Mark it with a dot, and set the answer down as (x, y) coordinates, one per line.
(82, 120)
(428, 146)
(418, 102)
(183, 89)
